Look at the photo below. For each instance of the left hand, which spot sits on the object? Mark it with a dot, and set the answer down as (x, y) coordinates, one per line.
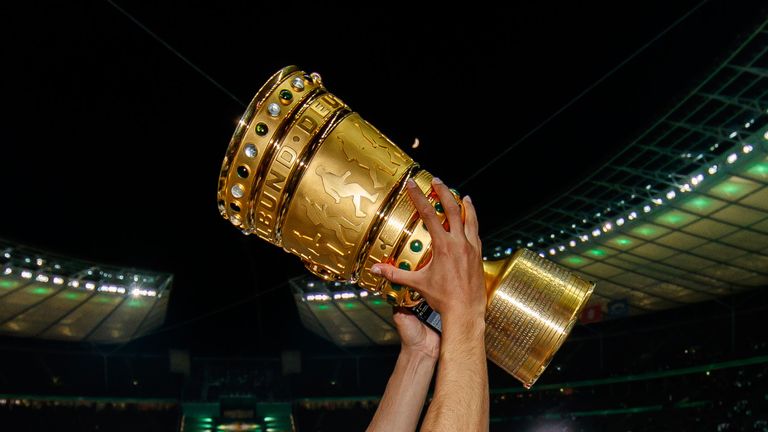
(415, 336)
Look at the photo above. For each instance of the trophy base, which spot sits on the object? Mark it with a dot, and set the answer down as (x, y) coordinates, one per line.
(532, 306)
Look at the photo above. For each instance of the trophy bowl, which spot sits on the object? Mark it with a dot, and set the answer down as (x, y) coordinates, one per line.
(306, 173)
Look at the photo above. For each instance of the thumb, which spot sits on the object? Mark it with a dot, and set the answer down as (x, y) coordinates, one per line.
(396, 275)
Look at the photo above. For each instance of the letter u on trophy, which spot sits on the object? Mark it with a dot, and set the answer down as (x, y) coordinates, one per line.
(306, 173)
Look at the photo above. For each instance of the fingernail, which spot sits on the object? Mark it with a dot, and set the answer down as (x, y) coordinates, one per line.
(376, 270)
(469, 200)
(436, 180)
(410, 183)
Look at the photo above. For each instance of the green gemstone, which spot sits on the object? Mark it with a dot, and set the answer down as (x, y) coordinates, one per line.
(396, 287)
(417, 245)
(261, 129)
(286, 95)
(438, 207)
(404, 265)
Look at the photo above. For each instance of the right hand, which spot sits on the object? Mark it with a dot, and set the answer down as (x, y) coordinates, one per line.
(453, 281)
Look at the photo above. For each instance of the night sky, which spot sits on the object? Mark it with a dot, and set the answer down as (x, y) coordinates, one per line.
(111, 144)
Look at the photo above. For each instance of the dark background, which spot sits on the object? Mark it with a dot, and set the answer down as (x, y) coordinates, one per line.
(111, 144)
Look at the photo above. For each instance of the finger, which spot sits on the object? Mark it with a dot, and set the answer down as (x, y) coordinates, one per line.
(470, 222)
(425, 209)
(396, 275)
(449, 204)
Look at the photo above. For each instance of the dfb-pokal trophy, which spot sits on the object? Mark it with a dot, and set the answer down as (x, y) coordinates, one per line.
(306, 173)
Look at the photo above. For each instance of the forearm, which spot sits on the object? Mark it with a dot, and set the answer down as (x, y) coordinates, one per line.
(406, 391)
(460, 402)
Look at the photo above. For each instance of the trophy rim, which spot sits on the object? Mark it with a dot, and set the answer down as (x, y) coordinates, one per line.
(244, 121)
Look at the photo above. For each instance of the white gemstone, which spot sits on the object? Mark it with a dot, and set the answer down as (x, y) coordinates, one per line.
(298, 83)
(274, 109)
(251, 151)
(237, 190)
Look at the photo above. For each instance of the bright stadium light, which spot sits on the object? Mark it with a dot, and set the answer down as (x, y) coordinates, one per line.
(619, 221)
(657, 201)
(572, 243)
(42, 278)
(732, 158)
(7, 271)
(90, 285)
(595, 232)
(712, 170)
(561, 248)
(733, 134)
(671, 195)
(74, 283)
(647, 208)
(747, 148)
(26, 274)
(58, 280)
(363, 293)
(552, 251)
(632, 215)
(698, 178)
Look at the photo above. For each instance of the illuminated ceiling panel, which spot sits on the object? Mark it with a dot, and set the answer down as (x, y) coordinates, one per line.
(54, 297)
(343, 314)
(681, 213)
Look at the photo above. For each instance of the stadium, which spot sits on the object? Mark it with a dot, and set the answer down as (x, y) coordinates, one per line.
(628, 147)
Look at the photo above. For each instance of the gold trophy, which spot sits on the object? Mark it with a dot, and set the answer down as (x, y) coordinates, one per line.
(306, 173)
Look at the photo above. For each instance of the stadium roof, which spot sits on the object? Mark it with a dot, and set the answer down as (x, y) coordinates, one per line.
(54, 297)
(681, 213)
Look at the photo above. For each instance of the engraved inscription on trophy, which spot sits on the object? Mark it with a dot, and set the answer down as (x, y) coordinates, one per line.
(266, 208)
(337, 187)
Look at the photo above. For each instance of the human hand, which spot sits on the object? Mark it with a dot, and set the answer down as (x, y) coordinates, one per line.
(415, 336)
(452, 282)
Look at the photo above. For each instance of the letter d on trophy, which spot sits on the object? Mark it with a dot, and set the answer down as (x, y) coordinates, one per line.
(306, 173)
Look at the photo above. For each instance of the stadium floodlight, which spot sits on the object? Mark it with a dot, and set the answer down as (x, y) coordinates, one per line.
(42, 278)
(671, 195)
(619, 221)
(712, 170)
(58, 280)
(90, 285)
(595, 232)
(572, 243)
(747, 148)
(26, 274)
(647, 208)
(733, 134)
(732, 158)
(552, 251)
(632, 215)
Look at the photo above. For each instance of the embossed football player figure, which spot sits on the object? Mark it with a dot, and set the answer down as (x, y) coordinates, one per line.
(337, 187)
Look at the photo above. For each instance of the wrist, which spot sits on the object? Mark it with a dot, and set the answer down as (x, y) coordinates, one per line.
(419, 353)
(464, 325)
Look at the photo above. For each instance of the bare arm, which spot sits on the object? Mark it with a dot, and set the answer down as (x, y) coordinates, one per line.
(403, 400)
(453, 284)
